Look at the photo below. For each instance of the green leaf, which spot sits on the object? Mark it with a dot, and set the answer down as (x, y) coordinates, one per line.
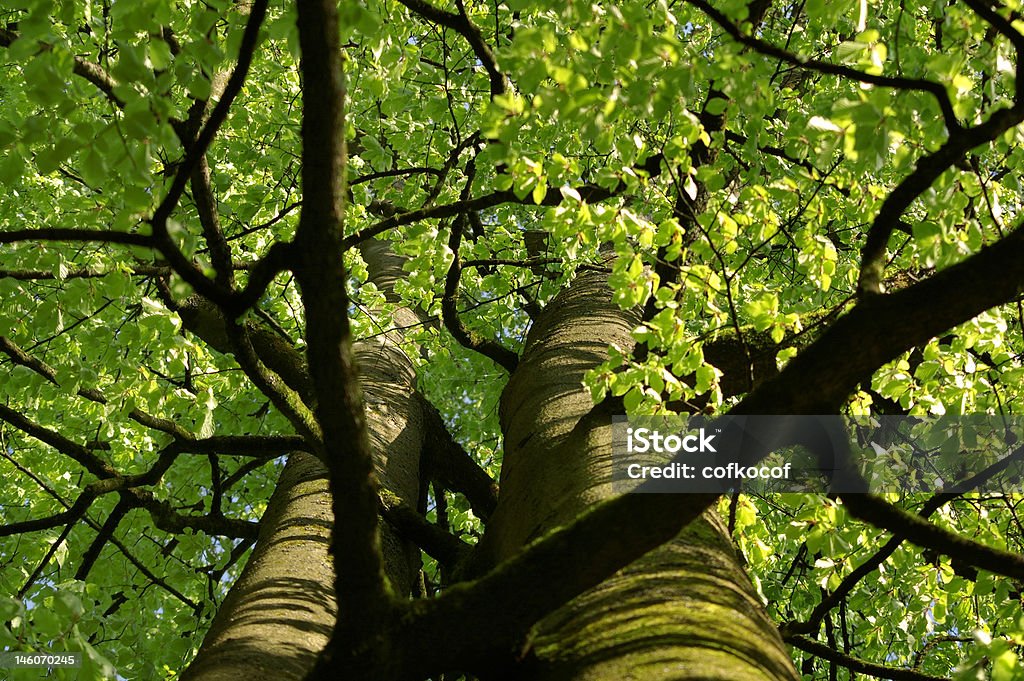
(160, 54)
(11, 167)
(540, 190)
(68, 605)
(716, 106)
(47, 622)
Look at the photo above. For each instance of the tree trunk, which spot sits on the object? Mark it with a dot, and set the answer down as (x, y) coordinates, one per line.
(685, 610)
(281, 611)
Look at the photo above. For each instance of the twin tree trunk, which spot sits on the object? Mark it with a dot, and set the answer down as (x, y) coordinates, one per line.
(684, 611)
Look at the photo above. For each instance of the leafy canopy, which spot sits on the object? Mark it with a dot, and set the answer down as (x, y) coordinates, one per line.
(725, 163)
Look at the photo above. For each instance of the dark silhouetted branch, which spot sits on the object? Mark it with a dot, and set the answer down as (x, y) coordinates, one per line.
(461, 24)
(449, 301)
(857, 665)
(937, 90)
(444, 546)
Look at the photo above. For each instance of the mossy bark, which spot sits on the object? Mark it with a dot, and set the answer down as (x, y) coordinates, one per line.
(280, 613)
(683, 611)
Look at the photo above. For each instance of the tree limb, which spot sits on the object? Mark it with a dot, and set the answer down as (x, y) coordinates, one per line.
(447, 462)
(987, 11)
(917, 530)
(257, 446)
(101, 236)
(471, 340)
(139, 565)
(461, 24)
(937, 90)
(855, 664)
(22, 358)
(90, 71)
(590, 193)
(209, 218)
(185, 268)
(928, 169)
(445, 547)
(933, 504)
(166, 518)
(89, 461)
(92, 553)
(360, 582)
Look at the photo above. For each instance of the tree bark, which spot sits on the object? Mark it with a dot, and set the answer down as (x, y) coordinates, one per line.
(280, 613)
(685, 610)
(282, 610)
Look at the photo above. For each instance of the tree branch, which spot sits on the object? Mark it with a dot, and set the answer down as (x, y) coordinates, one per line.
(445, 461)
(68, 516)
(360, 581)
(855, 664)
(928, 169)
(917, 530)
(90, 71)
(933, 504)
(278, 258)
(495, 262)
(471, 340)
(139, 565)
(445, 547)
(22, 358)
(194, 158)
(461, 24)
(171, 521)
(590, 193)
(106, 532)
(937, 90)
(101, 236)
(397, 172)
(207, 321)
(288, 401)
(257, 446)
(987, 11)
(89, 461)
(209, 218)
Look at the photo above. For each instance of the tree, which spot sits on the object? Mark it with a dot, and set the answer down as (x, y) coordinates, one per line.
(315, 318)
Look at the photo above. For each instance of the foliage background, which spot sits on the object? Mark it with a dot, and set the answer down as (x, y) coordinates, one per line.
(643, 128)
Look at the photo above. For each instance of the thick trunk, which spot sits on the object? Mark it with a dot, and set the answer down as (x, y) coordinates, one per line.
(281, 611)
(279, 614)
(686, 610)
